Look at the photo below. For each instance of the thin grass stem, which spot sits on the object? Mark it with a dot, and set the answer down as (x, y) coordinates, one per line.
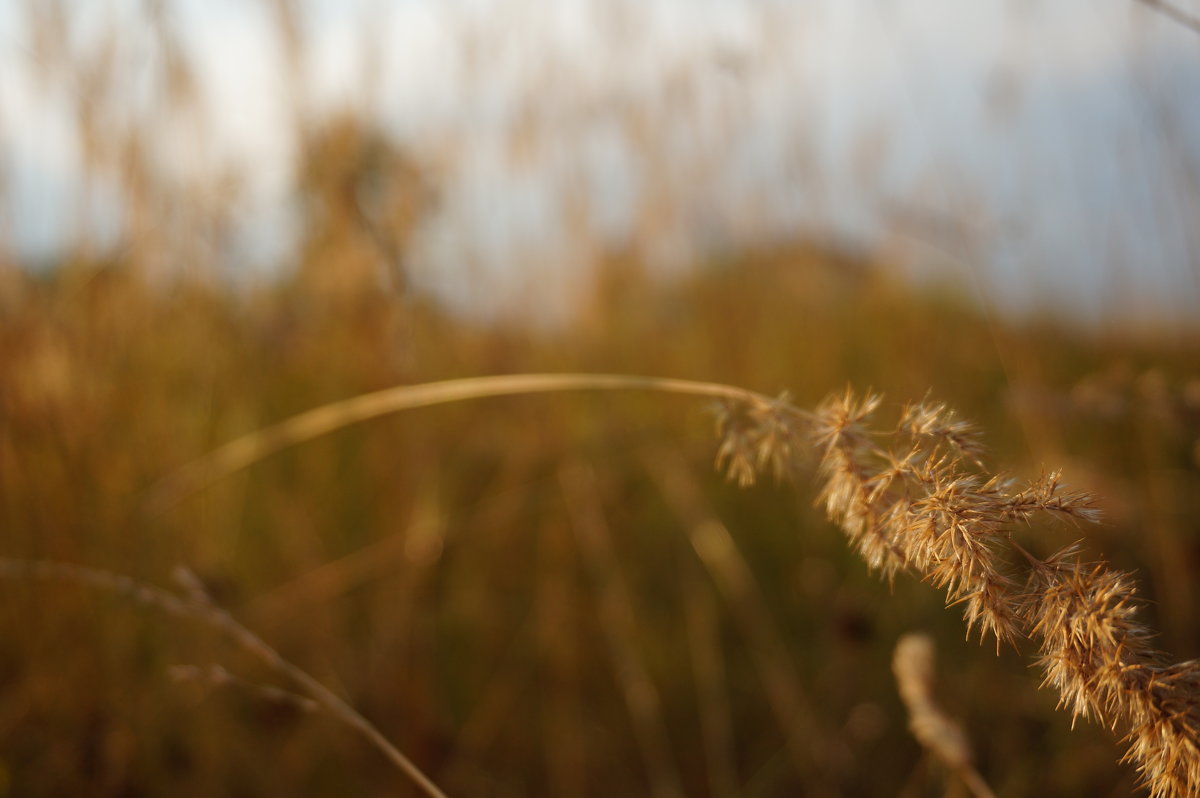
(248, 449)
(194, 608)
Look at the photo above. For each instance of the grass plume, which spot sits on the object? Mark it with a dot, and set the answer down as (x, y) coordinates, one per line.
(913, 498)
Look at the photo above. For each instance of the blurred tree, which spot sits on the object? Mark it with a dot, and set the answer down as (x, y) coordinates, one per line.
(362, 198)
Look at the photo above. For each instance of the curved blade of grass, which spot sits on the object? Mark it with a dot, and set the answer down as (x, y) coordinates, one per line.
(200, 609)
(257, 445)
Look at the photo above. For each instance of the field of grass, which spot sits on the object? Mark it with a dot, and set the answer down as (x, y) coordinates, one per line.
(517, 591)
(551, 593)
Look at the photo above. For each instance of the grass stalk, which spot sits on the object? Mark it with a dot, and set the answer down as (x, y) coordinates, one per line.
(944, 737)
(617, 619)
(249, 449)
(809, 746)
(195, 606)
(711, 680)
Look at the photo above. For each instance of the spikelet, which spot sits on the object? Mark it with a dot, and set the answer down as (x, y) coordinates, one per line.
(918, 498)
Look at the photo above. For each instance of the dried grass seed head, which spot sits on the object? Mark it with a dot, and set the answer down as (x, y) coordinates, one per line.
(756, 436)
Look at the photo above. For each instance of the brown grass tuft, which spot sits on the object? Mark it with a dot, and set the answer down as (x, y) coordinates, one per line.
(914, 498)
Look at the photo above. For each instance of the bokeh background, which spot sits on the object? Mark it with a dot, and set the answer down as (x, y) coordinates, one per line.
(214, 215)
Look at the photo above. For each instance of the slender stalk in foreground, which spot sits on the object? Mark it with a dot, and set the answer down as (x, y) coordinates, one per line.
(196, 606)
(250, 448)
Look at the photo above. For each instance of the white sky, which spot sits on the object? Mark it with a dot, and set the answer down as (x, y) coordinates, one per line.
(1057, 142)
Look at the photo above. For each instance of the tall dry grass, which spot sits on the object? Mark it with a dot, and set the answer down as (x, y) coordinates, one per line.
(426, 568)
(412, 563)
(915, 498)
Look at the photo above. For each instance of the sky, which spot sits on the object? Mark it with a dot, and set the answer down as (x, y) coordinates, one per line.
(1035, 149)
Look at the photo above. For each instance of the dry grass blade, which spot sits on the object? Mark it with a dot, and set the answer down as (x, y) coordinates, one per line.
(196, 607)
(913, 664)
(1190, 21)
(700, 615)
(217, 676)
(617, 620)
(336, 577)
(809, 747)
(253, 447)
(562, 658)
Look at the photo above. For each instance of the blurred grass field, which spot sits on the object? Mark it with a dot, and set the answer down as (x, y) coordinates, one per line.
(425, 565)
(433, 567)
